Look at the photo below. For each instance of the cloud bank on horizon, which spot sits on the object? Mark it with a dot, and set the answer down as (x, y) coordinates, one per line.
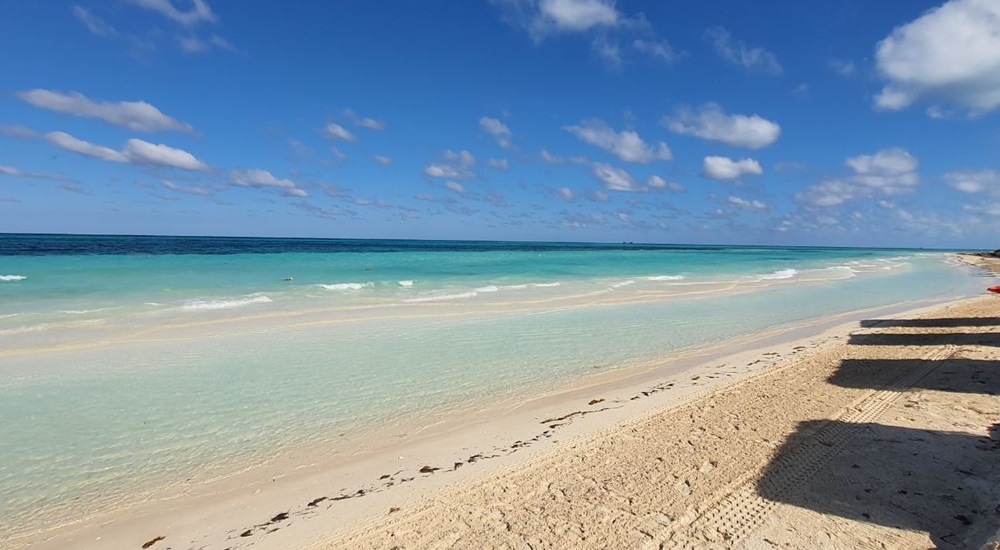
(594, 120)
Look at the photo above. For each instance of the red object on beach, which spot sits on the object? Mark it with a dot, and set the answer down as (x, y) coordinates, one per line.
(994, 289)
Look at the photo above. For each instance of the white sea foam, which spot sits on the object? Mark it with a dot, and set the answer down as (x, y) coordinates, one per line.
(444, 297)
(781, 274)
(21, 330)
(12, 278)
(844, 268)
(225, 304)
(347, 286)
(405, 284)
(9, 315)
(515, 287)
(665, 278)
(622, 283)
(152, 304)
(544, 285)
(490, 288)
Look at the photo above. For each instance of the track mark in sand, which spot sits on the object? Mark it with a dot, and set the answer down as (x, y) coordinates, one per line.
(386, 481)
(738, 513)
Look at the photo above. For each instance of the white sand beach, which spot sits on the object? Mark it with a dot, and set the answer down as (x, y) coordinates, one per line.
(874, 429)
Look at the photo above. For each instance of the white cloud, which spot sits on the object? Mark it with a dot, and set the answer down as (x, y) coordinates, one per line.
(441, 171)
(608, 51)
(364, 122)
(975, 181)
(598, 196)
(371, 124)
(138, 151)
(891, 170)
(221, 43)
(463, 157)
(612, 32)
(659, 50)
(656, 181)
(721, 168)
(18, 132)
(888, 172)
(831, 193)
(748, 205)
(541, 18)
(455, 166)
(336, 131)
(70, 143)
(989, 208)
(498, 164)
(937, 112)
(383, 160)
(498, 130)
(15, 173)
(844, 68)
(194, 44)
(738, 53)
(200, 11)
(660, 183)
(578, 221)
(93, 23)
(549, 158)
(497, 199)
(713, 124)
(256, 177)
(565, 193)
(134, 115)
(951, 54)
(614, 178)
(455, 186)
(186, 189)
(626, 145)
(579, 15)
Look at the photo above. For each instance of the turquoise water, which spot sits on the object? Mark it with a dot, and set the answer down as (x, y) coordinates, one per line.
(129, 364)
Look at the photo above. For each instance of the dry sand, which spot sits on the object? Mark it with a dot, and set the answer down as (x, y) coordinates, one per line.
(887, 440)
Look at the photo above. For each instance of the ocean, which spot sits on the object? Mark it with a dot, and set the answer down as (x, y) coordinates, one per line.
(130, 364)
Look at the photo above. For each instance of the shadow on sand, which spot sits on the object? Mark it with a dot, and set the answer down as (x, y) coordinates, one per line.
(959, 375)
(931, 323)
(935, 339)
(944, 483)
(937, 482)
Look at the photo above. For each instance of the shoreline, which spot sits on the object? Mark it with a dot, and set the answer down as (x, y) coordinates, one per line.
(211, 516)
(888, 438)
(568, 297)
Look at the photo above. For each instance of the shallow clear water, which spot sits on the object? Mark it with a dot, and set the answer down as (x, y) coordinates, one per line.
(124, 367)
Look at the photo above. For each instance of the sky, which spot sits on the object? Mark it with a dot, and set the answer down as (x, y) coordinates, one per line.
(848, 123)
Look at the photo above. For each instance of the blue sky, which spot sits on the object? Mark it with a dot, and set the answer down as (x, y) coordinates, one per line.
(771, 122)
